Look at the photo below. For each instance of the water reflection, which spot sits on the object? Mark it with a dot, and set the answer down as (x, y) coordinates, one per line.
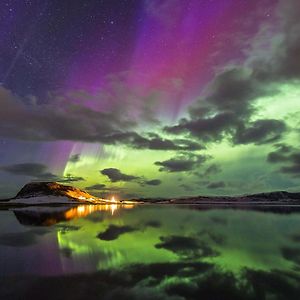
(47, 216)
(155, 252)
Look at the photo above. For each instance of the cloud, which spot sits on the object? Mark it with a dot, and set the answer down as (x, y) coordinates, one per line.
(153, 182)
(216, 185)
(27, 169)
(60, 120)
(231, 120)
(212, 169)
(280, 154)
(157, 143)
(64, 120)
(294, 168)
(67, 178)
(228, 106)
(99, 187)
(260, 132)
(114, 231)
(288, 155)
(66, 117)
(151, 141)
(38, 171)
(186, 247)
(181, 163)
(205, 129)
(116, 175)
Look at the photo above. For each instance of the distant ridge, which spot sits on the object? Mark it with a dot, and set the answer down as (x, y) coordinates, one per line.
(276, 197)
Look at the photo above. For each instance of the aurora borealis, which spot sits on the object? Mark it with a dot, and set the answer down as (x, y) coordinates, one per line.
(149, 98)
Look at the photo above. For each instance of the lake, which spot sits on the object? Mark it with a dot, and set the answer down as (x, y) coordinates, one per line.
(149, 252)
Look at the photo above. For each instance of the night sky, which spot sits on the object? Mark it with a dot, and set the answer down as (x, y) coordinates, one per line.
(150, 98)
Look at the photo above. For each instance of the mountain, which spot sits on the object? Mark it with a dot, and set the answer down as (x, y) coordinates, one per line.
(37, 189)
(52, 193)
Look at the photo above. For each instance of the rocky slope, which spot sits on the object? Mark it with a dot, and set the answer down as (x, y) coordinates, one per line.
(36, 193)
(38, 189)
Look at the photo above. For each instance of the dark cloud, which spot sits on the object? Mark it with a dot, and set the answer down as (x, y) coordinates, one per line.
(293, 169)
(206, 129)
(186, 247)
(216, 185)
(260, 132)
(280, 154)
(181, 163)
(155, 142)
(68, 178)
(116, 175)
(288, 155)
(64, 120)
(38, 171)
(215, 128)
(151, 141)
(27, 169)
(212, 169)
(153, 182)
(227, 109)
(74, 158)
(61, 120)
(99, 187)
(114, 231)
(233, 89)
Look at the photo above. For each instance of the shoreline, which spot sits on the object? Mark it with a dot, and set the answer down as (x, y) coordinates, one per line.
(230, 204)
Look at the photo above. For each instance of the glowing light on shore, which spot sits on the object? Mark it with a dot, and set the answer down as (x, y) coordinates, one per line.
(84, 210)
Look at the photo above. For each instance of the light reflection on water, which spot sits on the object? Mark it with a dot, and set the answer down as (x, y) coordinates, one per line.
(243, 244)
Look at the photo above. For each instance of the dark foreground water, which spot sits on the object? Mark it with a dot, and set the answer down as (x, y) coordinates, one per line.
(149, 252)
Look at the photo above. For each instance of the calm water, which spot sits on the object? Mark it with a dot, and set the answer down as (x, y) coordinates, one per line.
(149, 252)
